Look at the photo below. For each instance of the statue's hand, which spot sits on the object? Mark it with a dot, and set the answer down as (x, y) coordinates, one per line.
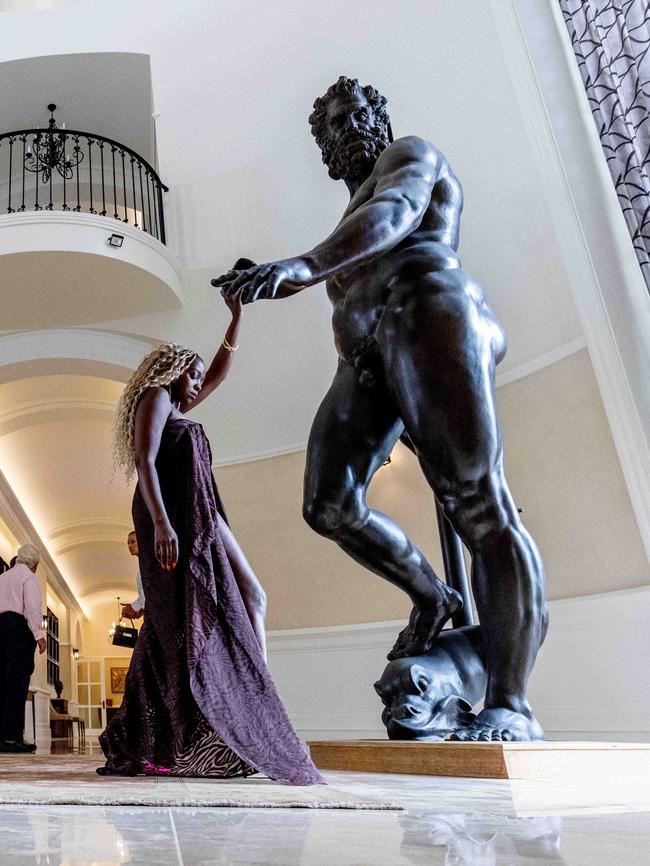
(269, 281)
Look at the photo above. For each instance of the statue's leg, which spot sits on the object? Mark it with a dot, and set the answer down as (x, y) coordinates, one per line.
(438, 353)
(353, 433)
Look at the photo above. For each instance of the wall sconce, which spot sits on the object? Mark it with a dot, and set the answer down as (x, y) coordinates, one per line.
(44, 622)
(75, 653)
(116, 240)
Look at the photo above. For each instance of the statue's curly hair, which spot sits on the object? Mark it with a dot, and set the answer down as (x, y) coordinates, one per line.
(161, 367)
(345, 87)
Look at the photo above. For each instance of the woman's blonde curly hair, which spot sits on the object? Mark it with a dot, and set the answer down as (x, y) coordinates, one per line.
(161, 367)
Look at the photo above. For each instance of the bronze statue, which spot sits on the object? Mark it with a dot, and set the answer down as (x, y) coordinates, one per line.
(418, 346)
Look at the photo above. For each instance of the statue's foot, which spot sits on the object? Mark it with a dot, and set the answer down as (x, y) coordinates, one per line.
(424, 626)
(498, 724)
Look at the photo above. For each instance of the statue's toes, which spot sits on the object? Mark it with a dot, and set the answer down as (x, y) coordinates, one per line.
(404, 645)
(397, 652)
(403, 638)
(399, 648)
(473, 735)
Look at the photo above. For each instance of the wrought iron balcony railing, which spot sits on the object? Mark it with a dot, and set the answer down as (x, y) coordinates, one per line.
(66, 170)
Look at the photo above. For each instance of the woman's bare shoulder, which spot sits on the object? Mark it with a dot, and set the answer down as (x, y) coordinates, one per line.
(155, 399)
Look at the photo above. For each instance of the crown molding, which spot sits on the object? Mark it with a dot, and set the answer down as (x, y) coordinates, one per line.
(18, 522)
(87, 522)
(539, 363)
(32, 412)
(109, 592)
(88, 530)
(121, 352)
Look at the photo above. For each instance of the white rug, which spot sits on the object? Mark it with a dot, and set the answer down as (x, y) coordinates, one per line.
(71, 780)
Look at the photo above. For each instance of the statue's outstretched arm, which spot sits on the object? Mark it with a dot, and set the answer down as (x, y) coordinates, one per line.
(405, 175)
(404, 178)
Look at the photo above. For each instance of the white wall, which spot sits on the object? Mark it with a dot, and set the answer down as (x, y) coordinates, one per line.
(591, 681)
(610, 294)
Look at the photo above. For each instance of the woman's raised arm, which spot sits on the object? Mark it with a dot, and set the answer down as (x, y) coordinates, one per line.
(222, 361)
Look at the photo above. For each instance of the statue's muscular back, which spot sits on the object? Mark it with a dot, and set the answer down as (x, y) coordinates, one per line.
(360, 295)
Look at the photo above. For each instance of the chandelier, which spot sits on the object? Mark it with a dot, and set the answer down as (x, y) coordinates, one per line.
(111, 631)
(48, 153)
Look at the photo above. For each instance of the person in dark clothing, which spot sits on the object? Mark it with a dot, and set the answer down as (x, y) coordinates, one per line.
(20, 634)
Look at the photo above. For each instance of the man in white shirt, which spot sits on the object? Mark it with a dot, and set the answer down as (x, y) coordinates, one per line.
(21, 614)
(136, 609)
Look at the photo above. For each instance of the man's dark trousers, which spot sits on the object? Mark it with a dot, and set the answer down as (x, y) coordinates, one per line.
(17, 646)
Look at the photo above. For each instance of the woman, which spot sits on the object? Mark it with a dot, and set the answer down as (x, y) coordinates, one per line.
(199, 699)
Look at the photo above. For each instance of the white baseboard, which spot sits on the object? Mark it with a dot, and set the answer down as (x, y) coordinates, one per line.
(41, 736)
(591, 681)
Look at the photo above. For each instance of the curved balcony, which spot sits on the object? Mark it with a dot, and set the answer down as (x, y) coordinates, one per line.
(82, 230)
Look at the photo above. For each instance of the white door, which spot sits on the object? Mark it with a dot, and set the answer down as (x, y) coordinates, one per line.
(91, 691)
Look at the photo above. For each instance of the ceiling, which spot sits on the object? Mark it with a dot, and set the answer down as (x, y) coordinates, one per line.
(55, 450)
(105, 93)
(46, 289)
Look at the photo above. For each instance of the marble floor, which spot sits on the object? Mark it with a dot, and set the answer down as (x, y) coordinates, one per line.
(450, 822)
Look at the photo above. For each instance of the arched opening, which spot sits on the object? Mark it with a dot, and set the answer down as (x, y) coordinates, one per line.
(58, 392)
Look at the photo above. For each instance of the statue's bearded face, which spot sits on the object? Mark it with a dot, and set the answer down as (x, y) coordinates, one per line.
(355, 138)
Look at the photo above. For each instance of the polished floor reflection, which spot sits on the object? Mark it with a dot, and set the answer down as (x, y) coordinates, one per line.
(450, 822)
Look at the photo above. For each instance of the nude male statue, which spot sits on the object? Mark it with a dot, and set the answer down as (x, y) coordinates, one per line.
(417, 346)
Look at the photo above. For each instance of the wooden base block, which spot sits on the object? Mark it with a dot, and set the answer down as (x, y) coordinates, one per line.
(485, 760)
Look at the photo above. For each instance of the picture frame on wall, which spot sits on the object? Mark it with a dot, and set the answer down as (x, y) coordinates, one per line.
(118, 680)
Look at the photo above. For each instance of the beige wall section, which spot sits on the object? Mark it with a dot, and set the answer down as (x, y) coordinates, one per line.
(308, 579)
(95, 632)
(563, 471)
(565, 474)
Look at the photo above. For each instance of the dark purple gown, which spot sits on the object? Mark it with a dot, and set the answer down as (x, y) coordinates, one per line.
(199, 699)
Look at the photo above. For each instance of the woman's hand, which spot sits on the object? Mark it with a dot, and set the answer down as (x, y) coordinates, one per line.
(234, 304)
(268, 281)
(166, 546)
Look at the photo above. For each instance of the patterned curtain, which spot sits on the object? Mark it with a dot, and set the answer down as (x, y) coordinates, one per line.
(611, 41)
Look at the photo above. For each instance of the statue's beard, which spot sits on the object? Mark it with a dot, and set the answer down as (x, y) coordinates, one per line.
(353, 155)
